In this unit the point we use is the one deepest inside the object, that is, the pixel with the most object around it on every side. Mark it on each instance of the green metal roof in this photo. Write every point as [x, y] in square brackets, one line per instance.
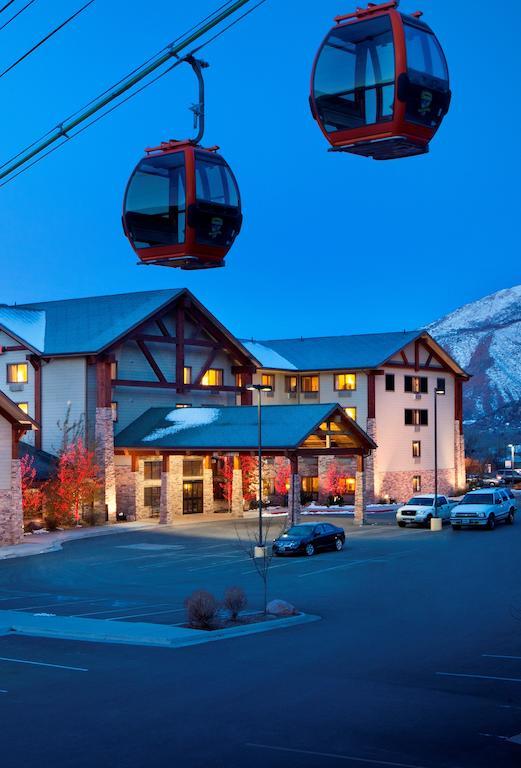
[233, 427]
[328, 353]
[81, 326]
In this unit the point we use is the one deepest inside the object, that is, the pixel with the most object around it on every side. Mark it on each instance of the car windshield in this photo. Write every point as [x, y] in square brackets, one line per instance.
[478, 498]
[299, 530]
[420, 501]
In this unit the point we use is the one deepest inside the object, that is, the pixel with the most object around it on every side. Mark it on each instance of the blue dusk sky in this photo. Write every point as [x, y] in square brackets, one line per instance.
[331, 243]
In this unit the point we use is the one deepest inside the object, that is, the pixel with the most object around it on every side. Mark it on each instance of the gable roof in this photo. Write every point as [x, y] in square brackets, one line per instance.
[90, 325]
[329, 353]
[10, 411]
[232, 427]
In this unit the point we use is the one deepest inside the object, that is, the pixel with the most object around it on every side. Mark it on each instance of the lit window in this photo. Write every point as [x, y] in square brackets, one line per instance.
[416, 384]
[114, 371]
[23, 407]
[212, 378]
[310, 484]
[416, 483]
[350, 484]
[192, 467]
[17, 373]
[114, 407]
[351, 412]
[416, 449]
[152, 499]
[345, 381]
[268, 380]
[416, 418]
[240, 380]
[310, 384]
[187, 374]
[183, 405]
[291, 383]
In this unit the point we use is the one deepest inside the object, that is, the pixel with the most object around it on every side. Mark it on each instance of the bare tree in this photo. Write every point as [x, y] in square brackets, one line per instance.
[71, 430]
[248, 538]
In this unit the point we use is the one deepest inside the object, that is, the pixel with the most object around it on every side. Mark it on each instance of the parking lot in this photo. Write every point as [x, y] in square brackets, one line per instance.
[416, 660]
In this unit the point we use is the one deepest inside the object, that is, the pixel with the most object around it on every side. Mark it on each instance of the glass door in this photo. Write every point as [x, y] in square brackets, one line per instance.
[192, 497]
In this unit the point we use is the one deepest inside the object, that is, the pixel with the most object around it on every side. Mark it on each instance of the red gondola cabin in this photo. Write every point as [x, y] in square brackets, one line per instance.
[380, 83]
[182, 207]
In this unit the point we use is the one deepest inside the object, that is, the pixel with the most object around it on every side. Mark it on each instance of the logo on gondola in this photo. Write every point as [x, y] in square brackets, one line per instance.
[216, 226]
[425, 102]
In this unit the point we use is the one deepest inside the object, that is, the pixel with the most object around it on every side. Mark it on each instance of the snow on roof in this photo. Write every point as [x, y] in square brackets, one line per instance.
[26, 324]
[184, 418]
[268, 357]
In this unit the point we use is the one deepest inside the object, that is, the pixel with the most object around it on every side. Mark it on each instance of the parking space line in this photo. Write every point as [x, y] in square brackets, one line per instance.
[480, 677]
[120, 608]
[498, 656]
[57, 604]
[3, 691]
[351, 758]
[338, 567]
[43, 664]
[151, 613]
[219, 565]
[154, 556]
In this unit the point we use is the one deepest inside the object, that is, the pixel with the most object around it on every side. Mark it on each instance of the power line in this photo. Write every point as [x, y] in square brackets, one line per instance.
[44, 146]
[25, 7]
[44, 39]
[6, 6]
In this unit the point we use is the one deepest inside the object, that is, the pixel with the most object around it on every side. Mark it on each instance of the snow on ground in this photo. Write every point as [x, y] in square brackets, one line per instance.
[184, 418]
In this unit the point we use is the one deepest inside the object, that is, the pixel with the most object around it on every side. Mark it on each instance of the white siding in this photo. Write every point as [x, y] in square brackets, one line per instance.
[63, 383]
[394, 439]
[6, 447]
[19, 393]
[327, 394]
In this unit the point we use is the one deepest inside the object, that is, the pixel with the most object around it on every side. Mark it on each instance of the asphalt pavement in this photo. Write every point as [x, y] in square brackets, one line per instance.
[416, 660]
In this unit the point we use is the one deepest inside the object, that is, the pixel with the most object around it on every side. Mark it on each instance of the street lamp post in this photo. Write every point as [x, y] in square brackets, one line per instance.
[260, 388]
[513, 450]
[437, 391]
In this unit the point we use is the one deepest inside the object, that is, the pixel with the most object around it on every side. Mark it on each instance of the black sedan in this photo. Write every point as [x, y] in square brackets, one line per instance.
[308, 538]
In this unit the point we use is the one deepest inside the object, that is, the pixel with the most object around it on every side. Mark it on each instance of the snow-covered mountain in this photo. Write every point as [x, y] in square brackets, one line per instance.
[485, 338]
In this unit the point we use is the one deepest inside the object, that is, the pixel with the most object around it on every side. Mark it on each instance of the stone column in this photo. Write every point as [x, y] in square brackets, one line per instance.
[171, 505]
[370, 466]
[104, 452]
[139, 485]
[208, 505]
[126, 489]
[459, 457]
[323, 466]
[294, 493]
[237, 491]
[11, 512]
[360, 493]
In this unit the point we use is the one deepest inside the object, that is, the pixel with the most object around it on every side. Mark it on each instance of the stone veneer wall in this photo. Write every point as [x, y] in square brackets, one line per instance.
[370, 464]
[294, 499]
[459, 457]
[237, 494]
[104, 452]
[172, 491]
[398, 485]
[361, 498]
[11, 514]
[208, 505]
[126, 491]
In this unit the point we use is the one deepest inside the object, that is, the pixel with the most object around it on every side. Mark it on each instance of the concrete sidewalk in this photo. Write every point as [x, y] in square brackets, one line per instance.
[39, 543]
[130, 633]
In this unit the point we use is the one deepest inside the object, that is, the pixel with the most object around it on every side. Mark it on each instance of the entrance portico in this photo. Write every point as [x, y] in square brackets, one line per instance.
[172, 463]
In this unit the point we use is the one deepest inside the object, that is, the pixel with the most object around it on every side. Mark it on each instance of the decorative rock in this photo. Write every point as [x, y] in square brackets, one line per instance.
[281, 608]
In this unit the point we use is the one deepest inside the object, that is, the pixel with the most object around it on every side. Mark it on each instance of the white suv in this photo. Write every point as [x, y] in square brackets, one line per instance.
[483, 508]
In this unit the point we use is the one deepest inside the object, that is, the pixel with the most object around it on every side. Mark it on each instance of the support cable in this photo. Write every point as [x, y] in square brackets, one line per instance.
[44, 39]
[40, 148]
[6, 6]
[24, 8]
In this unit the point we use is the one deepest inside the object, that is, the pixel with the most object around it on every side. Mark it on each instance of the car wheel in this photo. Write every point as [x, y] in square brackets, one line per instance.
[510, 517]
[456, 527]
[401, 524]
[427, 521]
[339, 545]
[491, 522]
[310, 550]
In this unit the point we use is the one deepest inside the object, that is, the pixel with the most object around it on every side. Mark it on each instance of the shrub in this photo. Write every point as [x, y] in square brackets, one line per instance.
[201, 609]
[235, 601]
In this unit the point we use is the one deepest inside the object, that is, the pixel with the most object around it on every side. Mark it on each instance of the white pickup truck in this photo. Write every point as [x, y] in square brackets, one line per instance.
[420, 510]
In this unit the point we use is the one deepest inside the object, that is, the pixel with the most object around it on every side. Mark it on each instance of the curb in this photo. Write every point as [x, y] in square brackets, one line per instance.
[120, 633]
